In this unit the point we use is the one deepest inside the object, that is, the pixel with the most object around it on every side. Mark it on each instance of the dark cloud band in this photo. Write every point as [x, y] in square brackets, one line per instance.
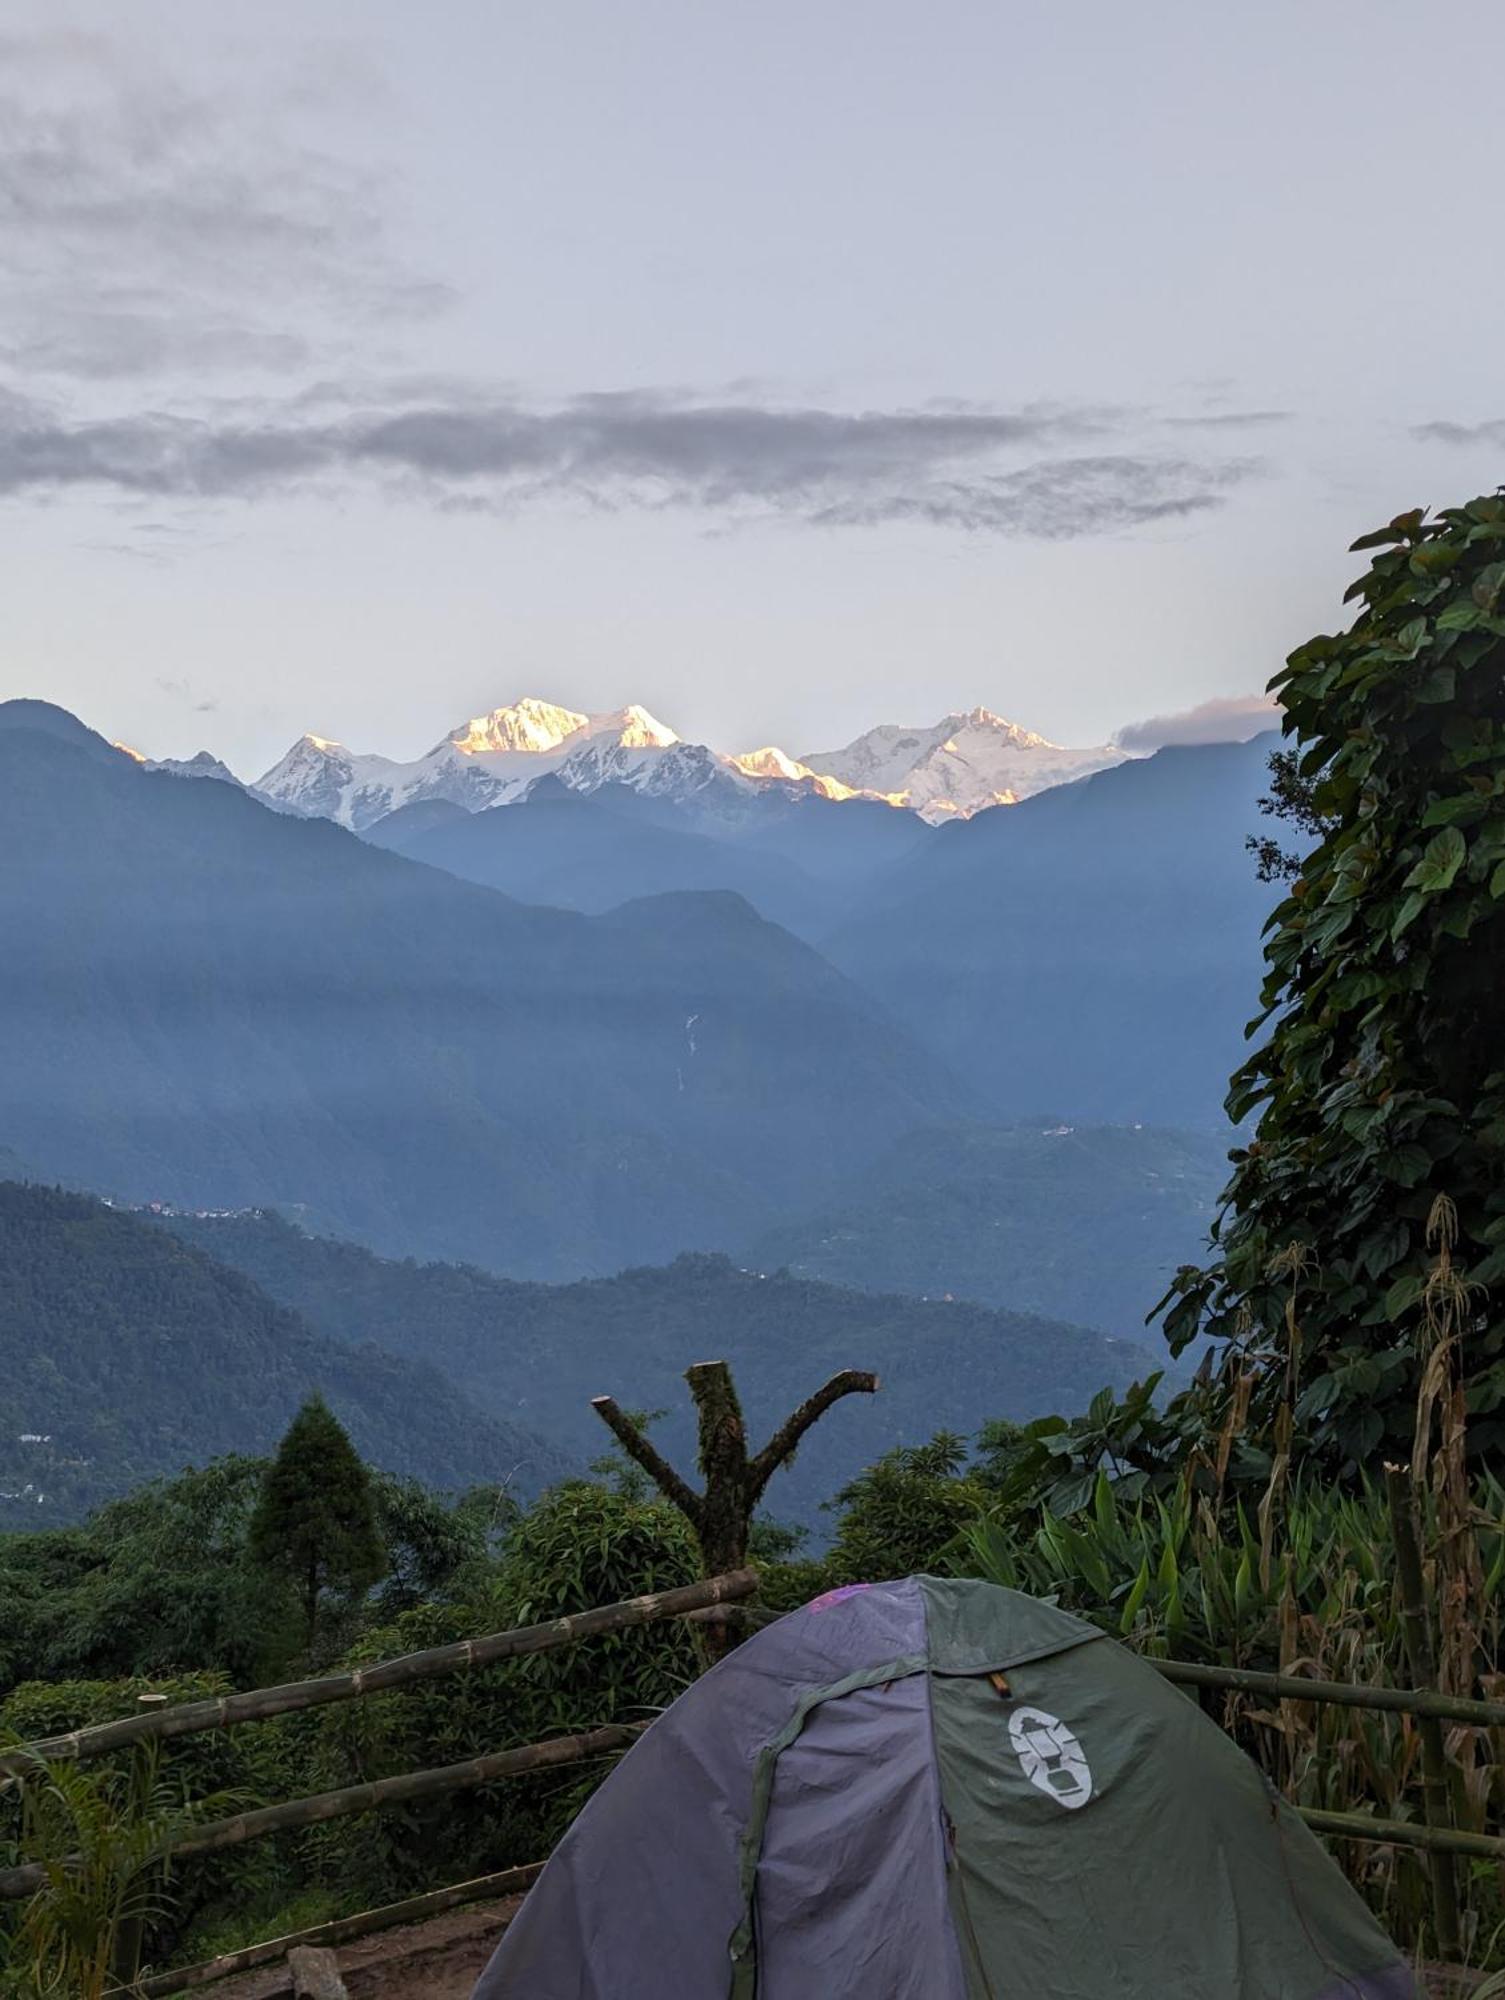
[950, 468]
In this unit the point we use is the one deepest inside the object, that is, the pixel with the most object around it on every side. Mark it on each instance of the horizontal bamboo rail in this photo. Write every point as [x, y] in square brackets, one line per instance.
[339, 1930]
[1291, 1687]
[260, 1704]
[255, 1824]
[1404, 1833]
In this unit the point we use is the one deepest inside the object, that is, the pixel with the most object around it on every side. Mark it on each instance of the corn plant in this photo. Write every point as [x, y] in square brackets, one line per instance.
[1310, 1591]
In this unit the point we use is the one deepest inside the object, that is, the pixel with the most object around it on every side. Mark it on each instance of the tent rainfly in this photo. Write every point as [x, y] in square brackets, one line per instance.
[939, 1790]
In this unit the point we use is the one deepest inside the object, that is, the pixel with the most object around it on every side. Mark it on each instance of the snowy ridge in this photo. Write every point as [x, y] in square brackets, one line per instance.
[961, 765]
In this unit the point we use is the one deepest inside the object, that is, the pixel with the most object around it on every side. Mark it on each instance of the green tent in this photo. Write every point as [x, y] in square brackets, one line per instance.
[939, 1790]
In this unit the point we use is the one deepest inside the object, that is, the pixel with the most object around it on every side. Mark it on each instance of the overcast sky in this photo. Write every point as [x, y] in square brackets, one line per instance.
[784, 367]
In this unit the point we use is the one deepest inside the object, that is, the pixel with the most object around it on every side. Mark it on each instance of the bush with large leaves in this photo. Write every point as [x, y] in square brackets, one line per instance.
[1381, 1086]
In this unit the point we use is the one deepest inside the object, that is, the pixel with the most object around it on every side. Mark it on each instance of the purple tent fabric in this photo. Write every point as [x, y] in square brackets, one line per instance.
[650, 1870]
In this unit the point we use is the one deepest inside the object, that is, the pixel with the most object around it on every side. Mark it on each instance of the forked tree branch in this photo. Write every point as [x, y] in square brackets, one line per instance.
[780, 1447]
[637, 1447]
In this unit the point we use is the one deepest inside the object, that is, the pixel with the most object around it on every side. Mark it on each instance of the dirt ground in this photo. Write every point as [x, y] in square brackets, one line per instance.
[442, 1959]
[437, 1960]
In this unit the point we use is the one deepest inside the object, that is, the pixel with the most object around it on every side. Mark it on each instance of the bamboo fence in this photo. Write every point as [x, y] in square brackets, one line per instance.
[257, 1823]
[719, 1598]
[192, 1718]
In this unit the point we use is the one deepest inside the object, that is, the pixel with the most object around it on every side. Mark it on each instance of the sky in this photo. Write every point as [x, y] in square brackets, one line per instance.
[783, 368]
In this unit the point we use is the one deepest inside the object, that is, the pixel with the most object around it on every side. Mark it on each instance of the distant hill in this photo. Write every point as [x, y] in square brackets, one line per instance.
[536, 1354]
[207, 1002]
[1083, 1223]
[126, 1353]
[798, 860]
[594, 850]
[1094, 951]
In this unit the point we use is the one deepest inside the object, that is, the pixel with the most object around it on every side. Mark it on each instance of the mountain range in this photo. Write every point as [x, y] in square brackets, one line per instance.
[952, 769]
[131, 1347]
[904, 1073]
[665, 1033]
[211, 1003]
[531, 1356]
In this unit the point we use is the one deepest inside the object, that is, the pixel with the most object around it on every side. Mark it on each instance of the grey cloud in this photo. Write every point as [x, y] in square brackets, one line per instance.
[950, 468]
[1491, 432]
[1229, 420]
[1225, 719]
[1057, 499]
[146, 226]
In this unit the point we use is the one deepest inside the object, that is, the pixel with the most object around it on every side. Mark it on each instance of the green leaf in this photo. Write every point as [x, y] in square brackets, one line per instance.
[1135, 1598]
[1444, 855]
[1403, 528]
[1459, 617]
[1488, 585]
[1406, 1164]
[1409, 911]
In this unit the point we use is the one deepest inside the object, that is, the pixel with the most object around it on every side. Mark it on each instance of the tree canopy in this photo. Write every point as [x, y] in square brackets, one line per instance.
[1369, 1205]
[316, 1522]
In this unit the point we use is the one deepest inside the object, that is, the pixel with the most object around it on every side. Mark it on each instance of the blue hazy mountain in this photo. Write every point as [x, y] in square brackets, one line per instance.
[1093, 952]
[591, 851]
[206, 1002]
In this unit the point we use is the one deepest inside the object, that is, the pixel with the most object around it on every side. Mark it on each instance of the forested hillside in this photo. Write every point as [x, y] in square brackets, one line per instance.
[1085, 1223]
[536, 1354]
[126, 1354]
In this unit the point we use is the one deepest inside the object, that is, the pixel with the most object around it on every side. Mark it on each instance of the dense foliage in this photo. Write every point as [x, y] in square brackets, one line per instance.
[163, 1580]
[126, 1354]
[478, 1566]
[1380, 1090]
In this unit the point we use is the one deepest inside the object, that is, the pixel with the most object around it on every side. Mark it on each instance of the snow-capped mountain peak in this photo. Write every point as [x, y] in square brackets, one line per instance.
[528, 725]
[486, 761]
[777, 765]
[535, 728]
[204, 764]
[769, 762]
[959, 765]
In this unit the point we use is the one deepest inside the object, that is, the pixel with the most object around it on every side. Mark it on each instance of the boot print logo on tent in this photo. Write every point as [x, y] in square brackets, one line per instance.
[1050, 1757]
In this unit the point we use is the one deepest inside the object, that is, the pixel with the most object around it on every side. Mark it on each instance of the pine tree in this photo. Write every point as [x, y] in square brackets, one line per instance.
[315, 1522]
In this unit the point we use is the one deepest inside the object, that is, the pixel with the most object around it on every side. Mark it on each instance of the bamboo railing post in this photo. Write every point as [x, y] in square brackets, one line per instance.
[1342, 1694]
[1436, 1792]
